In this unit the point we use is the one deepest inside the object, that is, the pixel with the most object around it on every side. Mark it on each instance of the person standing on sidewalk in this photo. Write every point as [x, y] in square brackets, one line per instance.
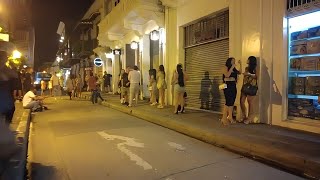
[250, 79]
[161, 85]
[125, 85]
[134, 79]
[179, 79]
[107, 82]
[55, 84]
[153, 87]
[230, 77]
[79, 85]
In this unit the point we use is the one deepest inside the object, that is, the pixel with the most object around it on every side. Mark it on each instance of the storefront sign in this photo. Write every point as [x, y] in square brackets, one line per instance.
[98, 62]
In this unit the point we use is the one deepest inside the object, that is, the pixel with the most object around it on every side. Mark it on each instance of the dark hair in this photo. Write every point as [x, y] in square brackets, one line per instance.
[161, 68]
[252, 65]
[135, 67]
[180, 75]
[229, 62]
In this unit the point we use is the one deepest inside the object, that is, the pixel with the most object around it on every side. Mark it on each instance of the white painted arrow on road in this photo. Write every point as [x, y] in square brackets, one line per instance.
[128, 142]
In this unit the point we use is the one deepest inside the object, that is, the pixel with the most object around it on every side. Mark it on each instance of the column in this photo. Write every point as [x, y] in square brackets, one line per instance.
[115, 72]
[145, 65]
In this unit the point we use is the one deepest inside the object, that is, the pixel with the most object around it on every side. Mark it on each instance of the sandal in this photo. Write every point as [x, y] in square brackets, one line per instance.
[247, 121]
[232, 121]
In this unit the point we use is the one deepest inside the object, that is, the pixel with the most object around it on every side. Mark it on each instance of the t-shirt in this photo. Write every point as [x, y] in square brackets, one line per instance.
[134, 77]
[92, 83]
[125, 80]
[107, 78]
[27, 98]
[55, 80]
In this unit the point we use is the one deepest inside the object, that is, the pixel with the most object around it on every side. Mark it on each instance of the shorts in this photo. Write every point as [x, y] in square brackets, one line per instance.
[124, 91]
[179, 89]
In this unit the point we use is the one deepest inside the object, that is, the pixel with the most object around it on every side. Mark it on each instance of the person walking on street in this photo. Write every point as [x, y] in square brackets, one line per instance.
[70, 86]
[134, 79]
[92, 85]
[249, 89]
[161, 85]
[179, 79]
[230, 77]
[125, 85]
[97, 94]
[55, 84]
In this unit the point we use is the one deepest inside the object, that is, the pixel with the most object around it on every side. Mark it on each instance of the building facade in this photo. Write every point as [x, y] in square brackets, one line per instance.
[202, 34]
[15, 21]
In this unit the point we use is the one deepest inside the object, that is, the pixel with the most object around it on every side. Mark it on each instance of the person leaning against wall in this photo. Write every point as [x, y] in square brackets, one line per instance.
[249, 89]
[230, 76]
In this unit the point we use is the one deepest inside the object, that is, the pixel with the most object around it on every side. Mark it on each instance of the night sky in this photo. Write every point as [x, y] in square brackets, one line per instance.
[46, 17]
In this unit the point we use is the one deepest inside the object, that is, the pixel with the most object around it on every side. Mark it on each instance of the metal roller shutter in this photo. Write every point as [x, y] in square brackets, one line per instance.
[210, 57]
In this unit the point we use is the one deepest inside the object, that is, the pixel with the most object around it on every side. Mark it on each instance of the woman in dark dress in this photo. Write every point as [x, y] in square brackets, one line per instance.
[230, 77]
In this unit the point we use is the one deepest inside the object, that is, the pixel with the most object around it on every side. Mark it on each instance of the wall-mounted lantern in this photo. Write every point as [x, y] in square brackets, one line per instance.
[154, 35]
[117, 51]
[134, 45]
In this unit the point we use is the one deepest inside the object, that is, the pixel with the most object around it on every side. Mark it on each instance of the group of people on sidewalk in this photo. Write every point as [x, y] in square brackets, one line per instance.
[248, 91]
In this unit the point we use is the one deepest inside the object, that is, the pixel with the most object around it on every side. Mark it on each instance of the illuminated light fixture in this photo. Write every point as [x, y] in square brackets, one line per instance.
[134, 45]
[58, 59]
[62, 37]
[109, 55]
[117, 52]
[16, 54]
[25, 66]
[65, 53]
[61, 40]
[154, 35]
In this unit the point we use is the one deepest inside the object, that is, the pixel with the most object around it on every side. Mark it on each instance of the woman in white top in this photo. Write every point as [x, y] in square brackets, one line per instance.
[179, 80]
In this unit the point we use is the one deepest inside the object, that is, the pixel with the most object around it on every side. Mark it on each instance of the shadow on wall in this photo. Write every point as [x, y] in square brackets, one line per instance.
[269, 89]
[204, 97]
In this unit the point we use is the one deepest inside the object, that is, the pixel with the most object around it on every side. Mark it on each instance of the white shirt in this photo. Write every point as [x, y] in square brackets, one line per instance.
[55, 80]
[27, 98]
[134, 77]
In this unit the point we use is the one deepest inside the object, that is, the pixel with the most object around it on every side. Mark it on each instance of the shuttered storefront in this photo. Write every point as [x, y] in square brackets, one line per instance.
[206, 51]
[200, 59]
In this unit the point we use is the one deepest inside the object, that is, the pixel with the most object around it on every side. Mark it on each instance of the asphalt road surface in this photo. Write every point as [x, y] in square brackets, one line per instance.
[77, 140]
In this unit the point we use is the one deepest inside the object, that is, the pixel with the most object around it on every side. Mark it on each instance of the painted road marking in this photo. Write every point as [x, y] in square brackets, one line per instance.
[176, 146]
[128, 142]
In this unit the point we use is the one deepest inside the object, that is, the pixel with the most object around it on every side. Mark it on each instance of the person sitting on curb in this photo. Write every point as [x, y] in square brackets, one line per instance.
[33, 102]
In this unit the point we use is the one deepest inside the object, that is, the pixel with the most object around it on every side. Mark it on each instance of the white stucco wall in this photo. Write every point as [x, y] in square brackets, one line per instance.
[258, 28]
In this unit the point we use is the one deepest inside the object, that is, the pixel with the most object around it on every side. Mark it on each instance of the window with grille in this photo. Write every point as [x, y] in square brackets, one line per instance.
[209, 29]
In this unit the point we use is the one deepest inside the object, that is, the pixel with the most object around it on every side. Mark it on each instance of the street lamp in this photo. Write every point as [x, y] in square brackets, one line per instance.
[134, 45]
[154, 35]
[16, 54]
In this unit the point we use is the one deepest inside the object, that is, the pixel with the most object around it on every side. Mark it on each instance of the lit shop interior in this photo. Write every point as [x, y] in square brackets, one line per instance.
[304, 67]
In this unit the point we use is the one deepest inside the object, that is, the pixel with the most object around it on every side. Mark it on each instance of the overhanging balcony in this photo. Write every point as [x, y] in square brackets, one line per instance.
[130, 17]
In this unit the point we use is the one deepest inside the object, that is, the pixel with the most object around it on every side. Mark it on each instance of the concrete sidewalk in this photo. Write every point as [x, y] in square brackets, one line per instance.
[295, 151]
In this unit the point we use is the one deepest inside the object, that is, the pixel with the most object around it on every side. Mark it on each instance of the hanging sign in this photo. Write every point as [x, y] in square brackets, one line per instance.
[98, 62]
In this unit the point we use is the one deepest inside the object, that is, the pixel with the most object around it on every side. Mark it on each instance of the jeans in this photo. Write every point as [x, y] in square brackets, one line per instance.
[95, 95]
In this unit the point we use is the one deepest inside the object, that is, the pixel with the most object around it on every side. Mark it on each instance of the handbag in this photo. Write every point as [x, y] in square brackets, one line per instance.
[223, 86]
[249, 89]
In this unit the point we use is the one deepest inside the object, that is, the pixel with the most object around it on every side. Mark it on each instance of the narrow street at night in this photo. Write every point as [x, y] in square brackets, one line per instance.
[77, 140]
